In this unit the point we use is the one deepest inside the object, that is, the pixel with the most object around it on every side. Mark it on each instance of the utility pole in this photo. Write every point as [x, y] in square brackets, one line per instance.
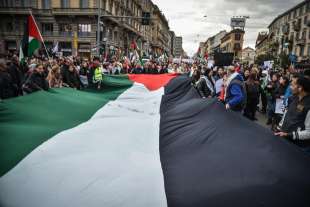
[98, 28]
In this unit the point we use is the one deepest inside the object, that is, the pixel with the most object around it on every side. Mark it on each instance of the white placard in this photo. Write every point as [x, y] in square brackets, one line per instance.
[279, 106]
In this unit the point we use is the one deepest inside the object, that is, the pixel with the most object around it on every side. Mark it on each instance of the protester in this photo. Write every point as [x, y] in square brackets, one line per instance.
[209, 83]
[204, 84]
[97, 77]
[219, 84]
[235, 93]
[252, 88]
[281, 93]
[296, 122]
[16, 75]
[246, 74]
[54, 77]
[36, 81]
[263, 92]
[71, 78]
[138, 69]
[7, 89]
[271, 89]
[84, 73]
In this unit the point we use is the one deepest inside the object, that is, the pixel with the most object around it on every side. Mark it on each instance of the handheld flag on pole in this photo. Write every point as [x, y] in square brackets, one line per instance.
[56, 48]
[34, 37]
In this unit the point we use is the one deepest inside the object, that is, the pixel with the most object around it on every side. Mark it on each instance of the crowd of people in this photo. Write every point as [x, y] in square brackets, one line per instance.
[17, 79]
[283, 95]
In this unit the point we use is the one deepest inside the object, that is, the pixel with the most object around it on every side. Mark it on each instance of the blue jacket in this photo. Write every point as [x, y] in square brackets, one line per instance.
[287, 95]
[235, 92]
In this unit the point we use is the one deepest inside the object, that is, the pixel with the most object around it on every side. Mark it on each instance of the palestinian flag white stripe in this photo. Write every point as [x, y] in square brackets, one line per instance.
[111, 160]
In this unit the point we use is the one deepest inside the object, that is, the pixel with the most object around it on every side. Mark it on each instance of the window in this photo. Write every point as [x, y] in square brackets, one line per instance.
[9, 27]
[46, 4]
[83, 3]
[7, 3]
[237, 46]
[237, 36]
[65, 29]
[47, 28]
[304, 34]
[11, 45]
[297, 35]
[111, 6]
[115, 36]
[25, 3]
[305, 19]
[308, 49]
[302, 50]
[84, 30]
[65, 3]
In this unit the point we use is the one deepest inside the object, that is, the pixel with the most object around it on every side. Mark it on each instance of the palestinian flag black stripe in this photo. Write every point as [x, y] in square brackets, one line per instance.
[214, 158]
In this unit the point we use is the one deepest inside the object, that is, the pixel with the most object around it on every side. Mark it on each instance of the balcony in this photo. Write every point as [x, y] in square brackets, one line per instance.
[75, 11]
[65, 34]
[47, 33]
[15, 10]
[24, 11]
[84, 34]
[301, 41]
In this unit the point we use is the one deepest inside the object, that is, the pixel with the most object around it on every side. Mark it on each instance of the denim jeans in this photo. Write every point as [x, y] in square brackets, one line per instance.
[271, 106]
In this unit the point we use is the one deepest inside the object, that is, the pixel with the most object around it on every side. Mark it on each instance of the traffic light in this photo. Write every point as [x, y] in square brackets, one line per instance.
[146, 18]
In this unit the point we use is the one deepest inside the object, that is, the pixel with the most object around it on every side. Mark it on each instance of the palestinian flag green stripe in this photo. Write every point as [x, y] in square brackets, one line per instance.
[34, 44]
[27, 122]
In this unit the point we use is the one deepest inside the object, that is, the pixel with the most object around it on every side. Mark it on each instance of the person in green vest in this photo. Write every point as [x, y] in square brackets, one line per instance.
[97, 77]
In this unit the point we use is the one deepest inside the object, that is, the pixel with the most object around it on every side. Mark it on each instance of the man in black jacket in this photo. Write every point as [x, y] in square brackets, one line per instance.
[71, 78]
[16, 76]
[36, 81]
[295, 125]
[7, 89]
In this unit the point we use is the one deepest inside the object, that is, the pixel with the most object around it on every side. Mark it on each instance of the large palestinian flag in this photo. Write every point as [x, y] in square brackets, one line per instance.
[137, 144]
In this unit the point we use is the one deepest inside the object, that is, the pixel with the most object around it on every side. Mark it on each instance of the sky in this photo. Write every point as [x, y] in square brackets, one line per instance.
[186, 18]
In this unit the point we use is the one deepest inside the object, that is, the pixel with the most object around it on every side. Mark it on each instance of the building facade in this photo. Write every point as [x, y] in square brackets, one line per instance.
[248, 55]
[73, 24]
[212, 44]
[178, 47]
[172, 42]
[290, 32]
[232, 42]
[262, 46]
